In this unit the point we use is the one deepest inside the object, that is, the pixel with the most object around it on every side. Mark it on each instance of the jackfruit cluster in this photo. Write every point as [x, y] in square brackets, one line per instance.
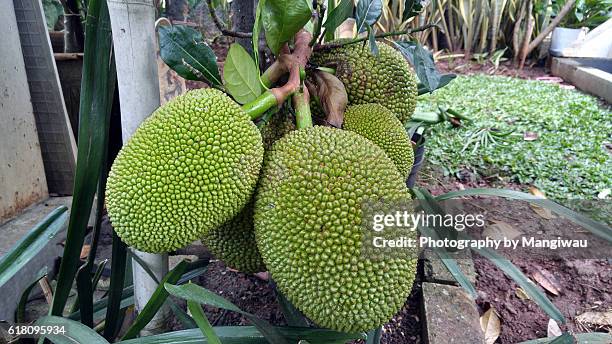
[385, 79]
[378, 124]
[189, 168]
[308, 227]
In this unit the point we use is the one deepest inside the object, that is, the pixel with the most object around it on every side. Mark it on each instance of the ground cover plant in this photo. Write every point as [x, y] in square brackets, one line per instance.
[554, 138]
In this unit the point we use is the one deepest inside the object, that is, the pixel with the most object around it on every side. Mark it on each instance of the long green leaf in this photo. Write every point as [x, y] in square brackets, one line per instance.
[535, 293]
[118, 264]
[292, 315]
[241, 75]
[374, 336]
[98, 81]
[367, 13]
[581, 338]
[184, 50]
[338, 15]
[156, 301]
[23, 300]
[282, 19]
[248, 335]
[99, 307]
[30, 245]
[203, 323]
[599, 229]
[73, 332]
[85, 294]
[183, 317]
[192, 292]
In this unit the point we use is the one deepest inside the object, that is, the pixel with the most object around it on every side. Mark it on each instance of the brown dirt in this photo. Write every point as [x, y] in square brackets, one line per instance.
[468, 67]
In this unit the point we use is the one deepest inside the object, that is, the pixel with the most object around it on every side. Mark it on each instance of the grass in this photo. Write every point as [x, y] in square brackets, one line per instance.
[567, 160]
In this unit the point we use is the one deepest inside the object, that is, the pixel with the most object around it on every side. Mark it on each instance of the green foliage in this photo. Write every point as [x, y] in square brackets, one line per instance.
[241, 75]
[184, 50]
[568, 159]
[338, 15]
[282, 19]
[53, 10]
[367, 14]
[585, 13]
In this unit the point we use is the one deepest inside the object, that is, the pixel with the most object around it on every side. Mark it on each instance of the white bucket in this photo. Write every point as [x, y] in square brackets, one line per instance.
[563, 38]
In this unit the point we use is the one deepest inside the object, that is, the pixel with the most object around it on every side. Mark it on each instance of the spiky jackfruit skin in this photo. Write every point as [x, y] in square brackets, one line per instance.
[308, 227]
[378, 124]
[277, 126]
[234, 243]
[190, 167]
[385, 79]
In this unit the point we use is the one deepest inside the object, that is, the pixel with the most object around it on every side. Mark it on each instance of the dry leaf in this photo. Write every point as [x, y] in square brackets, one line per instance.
[85, 251]
[491, 326]
[603, 319]
[536, 192]
[501, 230]
[530, 136]
[347, 29]
[553, 329]
[332, 95]
[521, 294]
[547, 281]
[543, 212]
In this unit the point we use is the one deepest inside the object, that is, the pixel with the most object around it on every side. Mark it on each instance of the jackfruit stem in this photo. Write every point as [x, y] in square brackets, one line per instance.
[334, 45]
[259, 106]
[301, 104]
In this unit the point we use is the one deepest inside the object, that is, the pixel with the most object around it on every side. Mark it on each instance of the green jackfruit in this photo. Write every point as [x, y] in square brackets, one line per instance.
[190, 167]
[276, 127]
[385, 79]
[234, 243]
[308, 227]
[377, 124]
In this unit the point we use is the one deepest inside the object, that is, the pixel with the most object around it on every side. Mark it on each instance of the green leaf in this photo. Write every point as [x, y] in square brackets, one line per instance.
[374, 336]
[581, 338]
[23, 300]
[282, 19]
[203, 323]
[534, 293]
[292, 315]
[53, 10]
[192, 292]
[423, 63]
[445, 79]
[257, 25]
[30, 245]
[411, 9]
[182, 316]
[372, 41]
[241, 75]
[338, 15]
[74, 332]
[248, 335]
[85, 294]
[156, 301]
[115, 293]
[99, 307]
[599, 229]
[97, 90]
[184, 50]
[367, 13]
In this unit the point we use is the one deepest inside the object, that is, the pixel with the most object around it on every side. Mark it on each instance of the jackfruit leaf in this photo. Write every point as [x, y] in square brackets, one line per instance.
[194, 293]
[332, 96]
[490, 325]
[203, 323]
[445, 79]
[249, 335]
[282, 19]
[73, 332]
[338, 15]
[184, 50]
[411, 9]
[367, 13]
[241, 75]
[31, 244]
[159, 297]
[423, 63]
[257, 24]
[372, 41]
[23, 300]
[580, 338]
[599, 229]
[553, 329]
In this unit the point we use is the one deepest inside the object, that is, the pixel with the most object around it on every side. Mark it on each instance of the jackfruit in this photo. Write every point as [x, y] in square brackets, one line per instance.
[308, 227]
[276, 127]
[377, 124]
[234, 243]
[385, 79]
[190, 167]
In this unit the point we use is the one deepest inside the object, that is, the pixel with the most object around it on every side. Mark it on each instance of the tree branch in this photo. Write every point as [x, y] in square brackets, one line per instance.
[553, 24]
[381, 35]
[222, 27]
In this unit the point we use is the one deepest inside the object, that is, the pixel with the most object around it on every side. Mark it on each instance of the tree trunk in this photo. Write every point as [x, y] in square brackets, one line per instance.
[517, 31]
[528, 31]
[243, 14]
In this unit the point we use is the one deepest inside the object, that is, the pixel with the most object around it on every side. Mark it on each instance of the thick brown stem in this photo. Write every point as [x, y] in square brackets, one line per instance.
[517, 30]
[553, 24]
[528, 31]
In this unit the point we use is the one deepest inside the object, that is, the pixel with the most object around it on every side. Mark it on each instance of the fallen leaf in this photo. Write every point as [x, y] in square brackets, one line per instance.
[85, 251]
[543, 212]
[547, 281]
[603, 319]
[501, 230]
[521, 294]
[530, 136]
[536, 192]
[553, 329]
[491, 326]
